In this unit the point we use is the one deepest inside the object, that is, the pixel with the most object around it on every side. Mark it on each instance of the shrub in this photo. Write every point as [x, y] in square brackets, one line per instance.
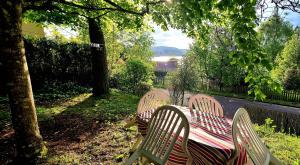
[184, 79]
[292, 79]
[53, 61]
[135, 76]
[142, 88]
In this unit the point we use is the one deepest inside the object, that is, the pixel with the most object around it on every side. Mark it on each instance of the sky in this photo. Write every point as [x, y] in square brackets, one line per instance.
[171, 38]
[294, 18]
[175, 38]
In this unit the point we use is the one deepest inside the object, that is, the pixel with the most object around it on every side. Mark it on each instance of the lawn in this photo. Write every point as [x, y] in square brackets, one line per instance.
[81, 130]
[86, 130]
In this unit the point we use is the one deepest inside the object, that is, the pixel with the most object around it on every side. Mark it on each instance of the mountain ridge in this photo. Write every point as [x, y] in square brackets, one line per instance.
[168, 51]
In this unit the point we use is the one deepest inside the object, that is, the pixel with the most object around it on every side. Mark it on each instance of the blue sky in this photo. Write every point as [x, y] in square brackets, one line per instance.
[294, 18]
[175, 38]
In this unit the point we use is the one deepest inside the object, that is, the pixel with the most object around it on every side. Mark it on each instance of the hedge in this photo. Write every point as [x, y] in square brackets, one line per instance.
[50, 61]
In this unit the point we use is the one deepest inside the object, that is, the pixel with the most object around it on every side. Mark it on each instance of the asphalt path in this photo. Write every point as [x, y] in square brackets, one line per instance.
[231, 105]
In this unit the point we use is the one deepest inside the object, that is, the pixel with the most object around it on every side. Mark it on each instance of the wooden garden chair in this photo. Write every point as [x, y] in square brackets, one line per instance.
[165, 126]
[244, 136]
[205, 103]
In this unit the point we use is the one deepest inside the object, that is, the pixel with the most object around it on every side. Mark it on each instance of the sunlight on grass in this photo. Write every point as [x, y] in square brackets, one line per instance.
[107, 141]
[65, 158]
[114, 107]
[284, 147]
[109, 146]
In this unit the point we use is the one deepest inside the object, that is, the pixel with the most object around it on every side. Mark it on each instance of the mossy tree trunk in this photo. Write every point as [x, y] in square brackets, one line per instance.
[99, 59]
[17, 79]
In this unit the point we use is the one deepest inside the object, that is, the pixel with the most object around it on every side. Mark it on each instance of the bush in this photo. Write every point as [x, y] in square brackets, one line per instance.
[292, 79]
[50, 61]
[135, 76]
[142, 88]
[186, 78]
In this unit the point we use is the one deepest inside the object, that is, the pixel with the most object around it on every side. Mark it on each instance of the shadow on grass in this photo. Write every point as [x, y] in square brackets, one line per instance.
[88, 117]
[80, 119]
[73, 124]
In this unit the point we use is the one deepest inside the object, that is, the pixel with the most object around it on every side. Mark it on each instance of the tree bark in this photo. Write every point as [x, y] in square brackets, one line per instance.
[16, 75]
[99, 59]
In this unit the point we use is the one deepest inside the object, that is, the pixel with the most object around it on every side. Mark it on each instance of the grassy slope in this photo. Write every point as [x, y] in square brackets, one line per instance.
[88, 130]
[284, 147]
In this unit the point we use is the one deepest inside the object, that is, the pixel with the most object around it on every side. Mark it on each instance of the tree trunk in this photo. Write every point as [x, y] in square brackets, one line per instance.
[182, 98]
[16, 75]
[99, 59]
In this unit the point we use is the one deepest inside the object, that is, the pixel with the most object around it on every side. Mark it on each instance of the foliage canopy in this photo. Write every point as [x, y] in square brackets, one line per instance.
[289, 57]
[197, 18]
[273, 34]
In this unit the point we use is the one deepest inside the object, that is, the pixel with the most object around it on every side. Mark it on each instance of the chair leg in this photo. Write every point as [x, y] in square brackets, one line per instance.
[189, 161]
[144, 160]
[133, 157]
[274, 161]
[136, 144]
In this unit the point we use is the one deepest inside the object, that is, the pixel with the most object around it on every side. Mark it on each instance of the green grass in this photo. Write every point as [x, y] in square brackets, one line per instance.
[284, 147]
[84, 129]
[111, 108]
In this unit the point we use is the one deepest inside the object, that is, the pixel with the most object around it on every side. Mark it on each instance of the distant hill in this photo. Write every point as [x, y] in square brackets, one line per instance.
[168, 51]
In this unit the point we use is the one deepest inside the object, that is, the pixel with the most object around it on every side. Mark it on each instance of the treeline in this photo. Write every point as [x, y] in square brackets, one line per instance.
[212, 64]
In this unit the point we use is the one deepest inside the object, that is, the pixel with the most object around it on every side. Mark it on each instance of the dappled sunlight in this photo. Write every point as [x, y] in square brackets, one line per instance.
[83, 128]
[110, 144]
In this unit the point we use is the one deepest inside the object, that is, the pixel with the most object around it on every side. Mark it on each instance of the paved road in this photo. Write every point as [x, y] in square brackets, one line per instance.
[230, 105]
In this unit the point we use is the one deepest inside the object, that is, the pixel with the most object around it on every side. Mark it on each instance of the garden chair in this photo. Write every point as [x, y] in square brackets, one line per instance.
[245, 137]
[152, 100]
[165, 126]
[205, 103]
[149, 102]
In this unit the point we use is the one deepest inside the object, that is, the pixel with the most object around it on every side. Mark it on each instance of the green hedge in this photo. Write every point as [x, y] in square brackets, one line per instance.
[50, 61]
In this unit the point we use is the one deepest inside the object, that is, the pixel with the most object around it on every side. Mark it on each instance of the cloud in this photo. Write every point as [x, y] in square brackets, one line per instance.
[171, 38]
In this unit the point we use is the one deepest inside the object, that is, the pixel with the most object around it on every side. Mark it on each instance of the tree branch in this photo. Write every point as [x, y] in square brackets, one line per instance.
[48, 5]
[119, 8]
[293, 5]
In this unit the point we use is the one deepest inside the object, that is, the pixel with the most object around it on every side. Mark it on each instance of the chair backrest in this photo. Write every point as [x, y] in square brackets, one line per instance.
[152, 100]
[245, 136]
[205, 103]
[164, 128]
